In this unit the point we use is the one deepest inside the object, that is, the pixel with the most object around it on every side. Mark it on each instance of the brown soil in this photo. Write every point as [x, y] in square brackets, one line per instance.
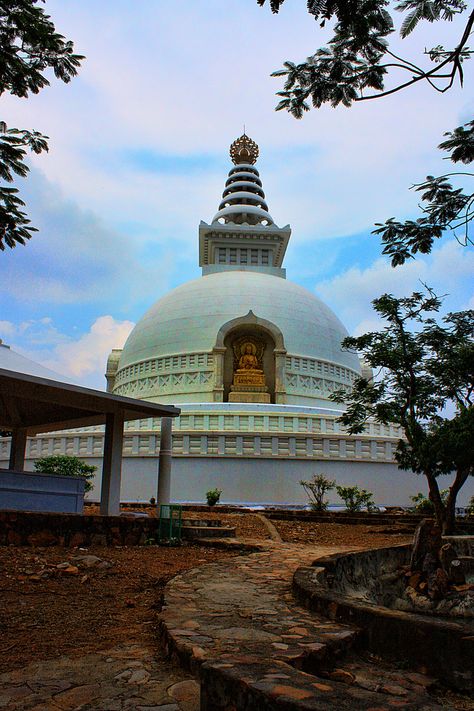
[340, 534]
[93, 609]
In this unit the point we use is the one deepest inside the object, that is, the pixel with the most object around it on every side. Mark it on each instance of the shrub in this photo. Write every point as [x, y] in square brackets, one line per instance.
[316, 488]
[422, 505]
[355, 499]
[63, 465]
[213, 496]
[470, 507]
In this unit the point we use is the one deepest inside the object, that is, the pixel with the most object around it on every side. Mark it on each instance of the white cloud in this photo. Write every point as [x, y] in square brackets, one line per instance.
[83, 358]
[158, 84]
[447, 270]
[86, 357]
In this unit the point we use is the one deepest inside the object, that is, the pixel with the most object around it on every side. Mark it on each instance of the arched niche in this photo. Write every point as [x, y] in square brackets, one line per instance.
[273, 358]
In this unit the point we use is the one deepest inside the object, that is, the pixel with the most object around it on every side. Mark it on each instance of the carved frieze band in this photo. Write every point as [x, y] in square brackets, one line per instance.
[170, 383]
[166, 374]
[309, 375]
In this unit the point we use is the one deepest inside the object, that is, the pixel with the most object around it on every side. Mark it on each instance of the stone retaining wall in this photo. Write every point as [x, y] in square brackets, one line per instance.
[48, 529]
[339, 587]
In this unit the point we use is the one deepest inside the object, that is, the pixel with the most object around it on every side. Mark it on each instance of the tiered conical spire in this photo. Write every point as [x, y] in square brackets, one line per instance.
[243, 200]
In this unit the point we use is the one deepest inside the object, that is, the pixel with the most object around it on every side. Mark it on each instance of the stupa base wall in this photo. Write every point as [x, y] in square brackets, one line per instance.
[263, 480]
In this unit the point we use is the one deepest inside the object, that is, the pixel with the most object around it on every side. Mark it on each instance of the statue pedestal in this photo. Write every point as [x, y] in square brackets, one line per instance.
[249, 393]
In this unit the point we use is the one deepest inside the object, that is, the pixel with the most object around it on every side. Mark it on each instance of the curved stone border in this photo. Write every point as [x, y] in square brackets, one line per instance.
[236, 625]
[329, 587]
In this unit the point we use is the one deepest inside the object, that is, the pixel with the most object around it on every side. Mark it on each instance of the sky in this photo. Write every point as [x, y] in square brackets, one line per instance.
[139, 155]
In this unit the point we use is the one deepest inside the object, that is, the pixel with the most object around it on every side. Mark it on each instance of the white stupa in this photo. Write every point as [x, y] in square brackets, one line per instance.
[251, 359]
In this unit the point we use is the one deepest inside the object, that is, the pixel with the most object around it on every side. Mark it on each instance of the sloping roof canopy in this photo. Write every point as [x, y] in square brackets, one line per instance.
[12, 360]
[43, 405]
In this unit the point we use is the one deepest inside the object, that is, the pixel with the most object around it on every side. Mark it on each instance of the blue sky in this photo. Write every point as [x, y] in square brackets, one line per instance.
[139, 155]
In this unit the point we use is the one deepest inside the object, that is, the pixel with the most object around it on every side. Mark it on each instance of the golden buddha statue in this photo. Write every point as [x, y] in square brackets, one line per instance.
[248, 372]
[248, 361]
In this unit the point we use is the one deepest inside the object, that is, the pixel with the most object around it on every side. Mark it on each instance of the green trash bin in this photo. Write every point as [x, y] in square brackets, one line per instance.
[169, 529]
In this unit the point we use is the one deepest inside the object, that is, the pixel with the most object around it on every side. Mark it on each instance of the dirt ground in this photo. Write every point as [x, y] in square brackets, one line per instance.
[46, 612]
[340, 534]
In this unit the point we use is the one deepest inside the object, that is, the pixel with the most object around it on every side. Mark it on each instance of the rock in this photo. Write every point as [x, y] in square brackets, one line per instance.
[139, 676]
[451, 564]
[91, 561]
[67, 568]
[42, 538]
[342, 675]
[77, 697]
[430, 564]
[186, 693]
[438, 584]
[427, 540]
[123, 676]
[414, 580]
[420, 602]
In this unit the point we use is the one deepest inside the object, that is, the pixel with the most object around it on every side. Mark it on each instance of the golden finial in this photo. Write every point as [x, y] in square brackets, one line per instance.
[244, 150]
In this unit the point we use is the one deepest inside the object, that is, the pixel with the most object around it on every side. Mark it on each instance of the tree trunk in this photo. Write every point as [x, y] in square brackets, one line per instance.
[435, 498]
[450, 516]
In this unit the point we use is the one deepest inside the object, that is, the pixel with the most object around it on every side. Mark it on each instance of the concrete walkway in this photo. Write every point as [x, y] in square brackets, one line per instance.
[236, 624]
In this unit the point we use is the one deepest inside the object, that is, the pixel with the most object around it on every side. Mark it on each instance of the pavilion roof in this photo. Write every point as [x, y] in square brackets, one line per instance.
[41, 404]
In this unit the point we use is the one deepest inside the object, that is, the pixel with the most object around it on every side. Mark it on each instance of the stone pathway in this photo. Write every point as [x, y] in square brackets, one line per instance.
[129, 678]
[236, 624]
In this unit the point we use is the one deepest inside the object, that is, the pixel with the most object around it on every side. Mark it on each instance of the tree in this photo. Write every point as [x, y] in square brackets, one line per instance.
[355, 66]
[423, 368]
[316, 490]
[64, 465]
[357, 60]
[29, 45]
[446, 208]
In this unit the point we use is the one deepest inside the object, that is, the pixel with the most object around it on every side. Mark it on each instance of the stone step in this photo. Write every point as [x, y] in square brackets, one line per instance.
[210, 522]
[194, 532]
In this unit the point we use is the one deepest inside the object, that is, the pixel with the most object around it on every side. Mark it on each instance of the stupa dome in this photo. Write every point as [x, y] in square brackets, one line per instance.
[183, 327]
[189, 318]
[241, 332]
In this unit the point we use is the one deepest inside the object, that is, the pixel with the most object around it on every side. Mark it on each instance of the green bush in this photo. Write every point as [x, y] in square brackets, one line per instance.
[213, 496]
[422, 505]
[356, 499]
[470, 507]
[63, 465]
[316, 488]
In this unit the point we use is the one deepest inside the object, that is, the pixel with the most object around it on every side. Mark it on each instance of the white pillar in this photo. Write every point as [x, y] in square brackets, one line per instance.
[112, 466]
[218, 357]
[17, 449]
[280, 375]
[164, 462]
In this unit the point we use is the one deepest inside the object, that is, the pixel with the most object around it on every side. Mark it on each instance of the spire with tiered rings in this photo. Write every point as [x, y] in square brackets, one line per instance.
[243, 200]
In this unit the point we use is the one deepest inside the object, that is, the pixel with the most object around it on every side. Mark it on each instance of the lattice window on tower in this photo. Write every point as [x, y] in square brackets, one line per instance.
[244, 255]
[254, 256]
[221, 255]
[233, 255]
